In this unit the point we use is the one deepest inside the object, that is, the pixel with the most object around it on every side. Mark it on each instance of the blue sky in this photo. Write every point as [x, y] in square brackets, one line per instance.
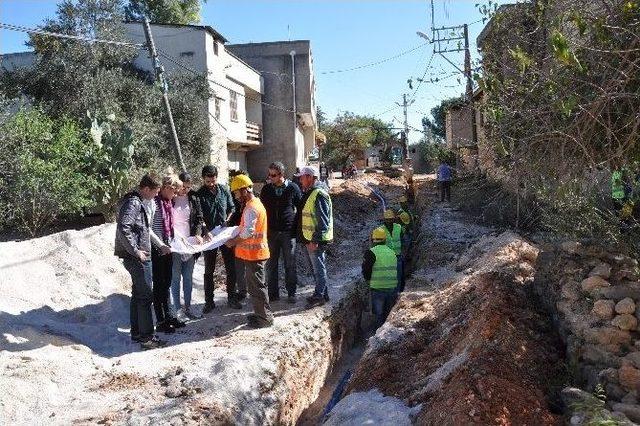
[343, 34]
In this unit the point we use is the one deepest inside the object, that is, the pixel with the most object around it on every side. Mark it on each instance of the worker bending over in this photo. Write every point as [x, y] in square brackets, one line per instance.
[379, 268]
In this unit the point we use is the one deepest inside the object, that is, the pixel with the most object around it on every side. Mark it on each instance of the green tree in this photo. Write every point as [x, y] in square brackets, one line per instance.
[165, 11]
[348, 135]
[45, 171]
[439, 114]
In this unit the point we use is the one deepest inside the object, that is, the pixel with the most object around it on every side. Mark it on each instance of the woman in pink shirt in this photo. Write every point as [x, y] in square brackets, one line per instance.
[187, 222]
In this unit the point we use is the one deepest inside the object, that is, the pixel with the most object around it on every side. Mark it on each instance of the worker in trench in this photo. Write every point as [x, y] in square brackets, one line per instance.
[252, 249]
[393, 232]
[379, 268]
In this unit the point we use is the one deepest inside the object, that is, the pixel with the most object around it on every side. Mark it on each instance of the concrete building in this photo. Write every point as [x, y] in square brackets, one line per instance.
[251, 114]
[288, 137]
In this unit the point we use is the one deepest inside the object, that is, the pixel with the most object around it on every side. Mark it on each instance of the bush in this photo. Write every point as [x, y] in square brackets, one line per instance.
[44, 171]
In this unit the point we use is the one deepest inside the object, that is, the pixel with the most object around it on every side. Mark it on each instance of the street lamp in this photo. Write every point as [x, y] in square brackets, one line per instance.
[423, 35]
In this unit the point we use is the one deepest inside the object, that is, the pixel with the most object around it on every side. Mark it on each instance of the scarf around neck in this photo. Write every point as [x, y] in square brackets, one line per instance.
[167, 217]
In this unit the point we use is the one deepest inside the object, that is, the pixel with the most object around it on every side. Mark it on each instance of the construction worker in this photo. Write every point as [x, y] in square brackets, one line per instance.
[617, 189]
[379, 268]
[393, 231]
[315, 230]
[252, 249]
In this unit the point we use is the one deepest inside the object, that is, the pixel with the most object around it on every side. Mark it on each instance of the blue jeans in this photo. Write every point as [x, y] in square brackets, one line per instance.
[381, 303]
[182, 269]
[281, 242]
[141, 297]
[317, 261]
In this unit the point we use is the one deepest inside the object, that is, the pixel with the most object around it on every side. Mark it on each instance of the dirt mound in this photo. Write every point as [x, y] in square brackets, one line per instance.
[470, 348]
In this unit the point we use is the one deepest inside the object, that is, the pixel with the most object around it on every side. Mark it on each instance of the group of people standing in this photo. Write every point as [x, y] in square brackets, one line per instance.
[383, 266]
[269, 226]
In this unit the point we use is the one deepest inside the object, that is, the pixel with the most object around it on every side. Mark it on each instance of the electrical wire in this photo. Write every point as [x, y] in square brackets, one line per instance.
[372, 64]
[69, 36]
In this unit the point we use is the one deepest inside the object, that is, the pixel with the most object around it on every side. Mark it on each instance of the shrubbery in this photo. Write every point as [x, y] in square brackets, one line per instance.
[44, 171]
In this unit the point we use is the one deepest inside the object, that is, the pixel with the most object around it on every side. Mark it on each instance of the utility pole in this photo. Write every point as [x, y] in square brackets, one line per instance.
[159, 70]
[442, 39]
[405, 143]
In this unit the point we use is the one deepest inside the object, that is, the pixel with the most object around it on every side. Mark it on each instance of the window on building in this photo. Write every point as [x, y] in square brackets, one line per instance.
[215, 47]
[186, 54]
[233, 105]
[217, 108]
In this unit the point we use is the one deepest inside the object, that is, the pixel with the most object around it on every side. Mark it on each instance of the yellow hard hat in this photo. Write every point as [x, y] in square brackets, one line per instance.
[379, 235]
[389, 214]
[240, 181]
[405, 218]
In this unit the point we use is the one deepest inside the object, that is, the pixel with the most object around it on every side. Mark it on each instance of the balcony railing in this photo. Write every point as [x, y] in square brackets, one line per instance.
[254, 132]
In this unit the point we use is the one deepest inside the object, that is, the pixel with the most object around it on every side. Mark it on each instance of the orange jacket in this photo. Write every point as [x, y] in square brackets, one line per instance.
[254, 248]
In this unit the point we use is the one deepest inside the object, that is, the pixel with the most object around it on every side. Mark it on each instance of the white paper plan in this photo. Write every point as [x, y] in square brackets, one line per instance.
[188, 245]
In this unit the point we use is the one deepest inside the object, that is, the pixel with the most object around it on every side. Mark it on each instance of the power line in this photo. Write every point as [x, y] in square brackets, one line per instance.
[413, 95]
[372, 64]
[69, 36]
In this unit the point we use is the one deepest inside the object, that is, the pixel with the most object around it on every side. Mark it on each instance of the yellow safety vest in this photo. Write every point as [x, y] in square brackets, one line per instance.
[394, 241]
[310, 219]
[385, 271]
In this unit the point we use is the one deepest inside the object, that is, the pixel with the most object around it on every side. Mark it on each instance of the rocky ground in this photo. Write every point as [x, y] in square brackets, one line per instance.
[66, 357]
[465, 344]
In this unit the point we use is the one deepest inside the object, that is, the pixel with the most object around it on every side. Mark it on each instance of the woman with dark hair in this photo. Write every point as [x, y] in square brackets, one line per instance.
[187, 222]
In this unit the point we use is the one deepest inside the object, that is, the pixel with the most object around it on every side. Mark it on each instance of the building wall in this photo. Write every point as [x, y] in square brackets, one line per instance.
[200, 51]
[459, 128]
[13, 61]
[274, 62]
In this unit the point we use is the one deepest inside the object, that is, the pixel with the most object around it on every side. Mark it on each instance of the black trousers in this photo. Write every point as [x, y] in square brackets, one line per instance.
[228, 257]
[141, 298]
[445, 190]
[161, 267]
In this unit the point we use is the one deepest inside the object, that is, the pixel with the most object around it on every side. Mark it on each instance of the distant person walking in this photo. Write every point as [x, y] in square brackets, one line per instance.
[252, 249]
[444, 176]
[188, 222]
[379, 270]
[281, 198]
[133, 246]
[162, 232]
[217, 208]
[315, 230]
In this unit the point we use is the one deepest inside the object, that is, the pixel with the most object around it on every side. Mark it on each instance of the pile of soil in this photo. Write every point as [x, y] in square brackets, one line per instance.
[467, 343]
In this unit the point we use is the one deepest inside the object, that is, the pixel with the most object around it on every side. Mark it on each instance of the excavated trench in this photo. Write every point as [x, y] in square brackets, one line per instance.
[467, 343]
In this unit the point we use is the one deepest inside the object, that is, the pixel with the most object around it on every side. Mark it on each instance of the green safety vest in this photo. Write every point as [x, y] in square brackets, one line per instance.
[394, 241]
[385, 271]
[617, 186]
[310, 220]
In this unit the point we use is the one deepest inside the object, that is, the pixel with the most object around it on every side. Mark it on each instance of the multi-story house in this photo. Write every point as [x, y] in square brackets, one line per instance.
[252, 114]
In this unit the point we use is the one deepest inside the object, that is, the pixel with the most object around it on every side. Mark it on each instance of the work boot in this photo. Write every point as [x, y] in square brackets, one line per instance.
[165, 327]
[176, 323]
[152, 343]
[191, 315]
[253, 321]
[233, 303]
[314, 301]
[208, 307]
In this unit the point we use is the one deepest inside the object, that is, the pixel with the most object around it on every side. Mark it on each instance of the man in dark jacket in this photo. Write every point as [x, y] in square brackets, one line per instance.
[217, 208]
[133, 246]
[281, 199]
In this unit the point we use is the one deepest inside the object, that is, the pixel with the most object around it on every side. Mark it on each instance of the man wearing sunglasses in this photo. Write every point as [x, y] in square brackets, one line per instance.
[281, 198]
